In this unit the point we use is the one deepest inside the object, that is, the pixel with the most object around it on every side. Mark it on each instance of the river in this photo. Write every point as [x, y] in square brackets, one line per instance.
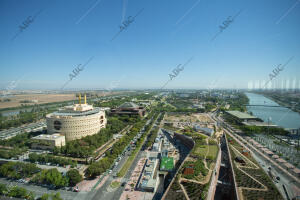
[280, 116]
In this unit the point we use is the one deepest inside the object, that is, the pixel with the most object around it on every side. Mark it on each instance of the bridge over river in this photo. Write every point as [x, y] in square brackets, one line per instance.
[262, 105]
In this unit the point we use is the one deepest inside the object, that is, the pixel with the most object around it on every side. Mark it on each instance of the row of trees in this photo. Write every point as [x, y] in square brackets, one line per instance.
[16, 145]
[20, 140]
[260, 129]
[10, 153]
[19, 192]
[153, 133]
[55, 178]
[18, 170]
[46, 158]
[112, 103]
[101, 166]
[86, 146]
[151, 137]
[15, 191]
[22, 118]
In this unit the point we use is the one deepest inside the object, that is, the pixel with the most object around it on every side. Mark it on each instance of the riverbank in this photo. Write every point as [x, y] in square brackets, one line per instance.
[280, 116]
[282, 103]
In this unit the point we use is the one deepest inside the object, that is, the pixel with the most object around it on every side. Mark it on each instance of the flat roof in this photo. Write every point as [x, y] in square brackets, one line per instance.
[281, 160]
[241, 115]
[48, 137]
[296, 171]
[167, 163]
[288, 165]
[256, 123]
[76, 113]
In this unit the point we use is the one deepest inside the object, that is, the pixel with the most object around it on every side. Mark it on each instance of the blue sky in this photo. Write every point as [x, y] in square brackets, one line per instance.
[165, 34]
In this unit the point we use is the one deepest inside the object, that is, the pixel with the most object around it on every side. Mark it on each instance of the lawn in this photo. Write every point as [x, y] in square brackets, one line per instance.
[115, 184]
[167, 163]
[213, 150]
[202, 150]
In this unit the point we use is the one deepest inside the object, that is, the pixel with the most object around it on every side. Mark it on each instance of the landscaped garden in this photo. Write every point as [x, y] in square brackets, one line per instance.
[175, 192]
[250, 177]
[195, 191]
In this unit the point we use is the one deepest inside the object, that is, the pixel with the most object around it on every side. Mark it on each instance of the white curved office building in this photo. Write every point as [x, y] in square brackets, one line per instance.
[76, 121]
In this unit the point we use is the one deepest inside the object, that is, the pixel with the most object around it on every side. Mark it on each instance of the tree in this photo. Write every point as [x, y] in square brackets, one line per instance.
[44, 197]
[56, 196]
[74, 177]
[51, 176]
[33, 157]
[17, 192]
[3, 189]
[30, 196]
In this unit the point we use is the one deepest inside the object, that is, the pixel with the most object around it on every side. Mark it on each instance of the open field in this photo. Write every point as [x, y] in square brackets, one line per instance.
[41, 98]
[202, 150]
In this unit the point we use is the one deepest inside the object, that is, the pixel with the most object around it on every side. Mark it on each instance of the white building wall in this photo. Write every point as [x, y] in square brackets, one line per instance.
[77, 127]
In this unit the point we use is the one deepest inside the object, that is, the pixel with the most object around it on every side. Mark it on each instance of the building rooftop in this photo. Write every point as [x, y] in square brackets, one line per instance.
[48, 137]
[280, 160]
[68, 112]
[289, 166]
[241, 115]
[210, 131]
[129, 105]
[167, 163]
[296, 171]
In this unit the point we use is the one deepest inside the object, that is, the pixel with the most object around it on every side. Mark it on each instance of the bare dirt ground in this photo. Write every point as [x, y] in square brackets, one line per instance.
[198, 117]
[41, 98]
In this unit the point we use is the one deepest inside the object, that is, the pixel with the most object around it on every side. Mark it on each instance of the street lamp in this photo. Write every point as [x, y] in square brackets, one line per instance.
[269, 119]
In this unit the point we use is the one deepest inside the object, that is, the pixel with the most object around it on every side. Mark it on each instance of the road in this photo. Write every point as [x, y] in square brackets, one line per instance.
[107, 193]
[265, 162]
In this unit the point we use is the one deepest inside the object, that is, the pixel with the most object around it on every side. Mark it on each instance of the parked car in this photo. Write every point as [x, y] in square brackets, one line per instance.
[75, 189]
